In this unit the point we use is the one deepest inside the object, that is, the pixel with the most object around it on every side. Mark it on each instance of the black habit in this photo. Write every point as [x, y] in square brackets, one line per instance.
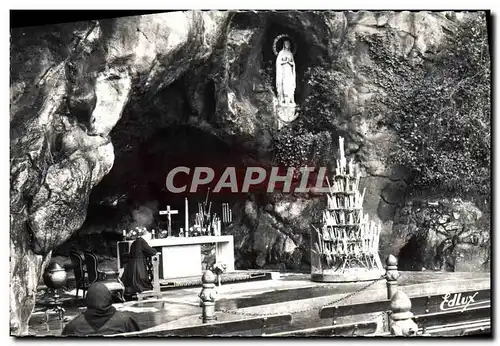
[101, 317]
[135, 277]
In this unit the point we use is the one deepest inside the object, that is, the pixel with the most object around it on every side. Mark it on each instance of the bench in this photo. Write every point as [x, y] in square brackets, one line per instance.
[420, 305]
[455, 322]
[251, 326]
[348, 329]
[426, 308]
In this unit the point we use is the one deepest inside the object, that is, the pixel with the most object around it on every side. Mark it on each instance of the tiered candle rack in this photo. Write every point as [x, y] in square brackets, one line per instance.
[345, 248]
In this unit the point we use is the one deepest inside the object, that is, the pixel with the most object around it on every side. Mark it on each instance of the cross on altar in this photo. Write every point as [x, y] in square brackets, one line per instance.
[169, 212]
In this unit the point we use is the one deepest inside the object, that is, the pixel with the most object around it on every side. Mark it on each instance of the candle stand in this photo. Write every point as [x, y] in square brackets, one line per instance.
[345, 248]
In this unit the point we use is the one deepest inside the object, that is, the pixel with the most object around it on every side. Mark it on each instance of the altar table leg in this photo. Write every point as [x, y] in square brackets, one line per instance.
[224, 253]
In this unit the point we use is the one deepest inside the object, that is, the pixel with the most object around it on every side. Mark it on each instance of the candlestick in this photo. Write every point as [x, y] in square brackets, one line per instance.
[186, 214]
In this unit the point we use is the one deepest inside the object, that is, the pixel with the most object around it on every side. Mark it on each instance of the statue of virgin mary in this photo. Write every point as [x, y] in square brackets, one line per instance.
[285, 75]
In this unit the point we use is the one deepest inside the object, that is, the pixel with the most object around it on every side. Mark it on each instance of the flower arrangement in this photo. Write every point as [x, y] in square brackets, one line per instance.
[195, 231]
[134, 233]
[218, 269]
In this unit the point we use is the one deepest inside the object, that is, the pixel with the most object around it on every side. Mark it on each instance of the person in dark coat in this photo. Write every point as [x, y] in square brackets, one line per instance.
[101, 317]
[135, 276]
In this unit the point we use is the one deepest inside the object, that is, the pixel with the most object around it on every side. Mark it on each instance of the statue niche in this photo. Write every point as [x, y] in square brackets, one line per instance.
[285, 74]
[285, 80]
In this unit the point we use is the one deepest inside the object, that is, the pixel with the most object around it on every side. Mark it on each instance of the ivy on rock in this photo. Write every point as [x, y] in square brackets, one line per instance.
[439, 106]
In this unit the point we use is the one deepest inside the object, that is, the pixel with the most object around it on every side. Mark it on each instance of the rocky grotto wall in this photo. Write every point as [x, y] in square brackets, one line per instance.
[99, 110]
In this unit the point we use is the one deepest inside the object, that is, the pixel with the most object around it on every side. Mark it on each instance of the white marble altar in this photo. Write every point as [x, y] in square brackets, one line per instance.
[181, 257]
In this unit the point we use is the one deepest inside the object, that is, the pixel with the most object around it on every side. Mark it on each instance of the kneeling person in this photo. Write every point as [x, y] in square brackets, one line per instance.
[135, 275]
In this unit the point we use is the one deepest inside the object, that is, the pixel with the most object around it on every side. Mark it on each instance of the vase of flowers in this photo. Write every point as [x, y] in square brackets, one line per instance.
[218, 269]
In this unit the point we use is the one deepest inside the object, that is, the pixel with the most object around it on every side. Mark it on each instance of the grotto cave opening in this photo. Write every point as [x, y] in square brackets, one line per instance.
[134, 191]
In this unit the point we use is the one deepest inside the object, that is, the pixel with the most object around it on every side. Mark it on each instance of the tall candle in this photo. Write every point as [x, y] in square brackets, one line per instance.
[186, 216]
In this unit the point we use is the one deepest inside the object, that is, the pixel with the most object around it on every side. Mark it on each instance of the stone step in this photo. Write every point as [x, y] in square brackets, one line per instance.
[242, 276]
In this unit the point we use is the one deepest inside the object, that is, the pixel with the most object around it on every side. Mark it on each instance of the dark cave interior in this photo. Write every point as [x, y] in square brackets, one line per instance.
[137, 183]
[154, 136]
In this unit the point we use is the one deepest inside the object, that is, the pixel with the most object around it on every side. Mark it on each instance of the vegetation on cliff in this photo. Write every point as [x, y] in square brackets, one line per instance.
[440, 108]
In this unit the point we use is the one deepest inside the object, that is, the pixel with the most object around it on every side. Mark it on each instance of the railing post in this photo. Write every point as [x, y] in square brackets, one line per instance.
[156, 273]
[207, 296]
[392, 274]
[402, 323]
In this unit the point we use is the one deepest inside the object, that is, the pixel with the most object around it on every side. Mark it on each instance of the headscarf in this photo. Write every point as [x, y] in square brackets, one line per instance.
[99, 305]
